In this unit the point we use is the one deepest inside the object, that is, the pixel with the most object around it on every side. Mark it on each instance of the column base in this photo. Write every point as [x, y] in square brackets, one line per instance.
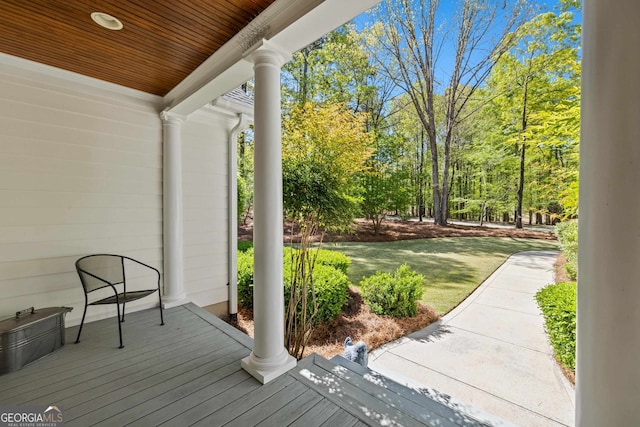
[174, 302]
[266, 372]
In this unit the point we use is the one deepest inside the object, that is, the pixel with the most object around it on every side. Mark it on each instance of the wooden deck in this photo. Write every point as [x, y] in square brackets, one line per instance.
[188, 373]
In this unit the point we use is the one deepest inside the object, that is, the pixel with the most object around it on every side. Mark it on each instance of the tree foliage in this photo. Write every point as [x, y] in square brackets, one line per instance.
[409, 47]
[324, 150]
[537, 109]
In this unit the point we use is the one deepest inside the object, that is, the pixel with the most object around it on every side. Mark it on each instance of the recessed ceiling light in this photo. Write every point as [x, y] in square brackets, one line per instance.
[107, 21]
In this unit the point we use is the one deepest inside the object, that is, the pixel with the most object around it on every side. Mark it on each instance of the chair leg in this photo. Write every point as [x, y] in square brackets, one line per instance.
[161, 317]
[82, 322]
[119, 327]
[122, 319]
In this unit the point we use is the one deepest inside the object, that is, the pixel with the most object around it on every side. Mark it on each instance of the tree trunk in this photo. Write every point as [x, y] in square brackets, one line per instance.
[421, 179]
[520, 187]
[522, 154]
[438, 213]
[305, 76]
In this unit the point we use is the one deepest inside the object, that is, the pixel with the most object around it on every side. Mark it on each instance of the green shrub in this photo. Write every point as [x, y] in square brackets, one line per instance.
[393, 295]
[334, 259]
[332, 291]
[245, 277]
[331, 284]
[245, 246]
[558, 305]
[242, 191]
[567, 233]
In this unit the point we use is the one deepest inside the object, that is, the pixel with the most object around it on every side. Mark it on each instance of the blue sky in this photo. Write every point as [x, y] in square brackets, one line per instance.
[448, 7]
[446, 12]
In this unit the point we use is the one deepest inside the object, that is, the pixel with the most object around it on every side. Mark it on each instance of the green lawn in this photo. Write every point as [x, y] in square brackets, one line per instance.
[453, 267]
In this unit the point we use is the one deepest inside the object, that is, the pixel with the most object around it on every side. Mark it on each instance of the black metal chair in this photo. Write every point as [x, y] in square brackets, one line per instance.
[105, 270]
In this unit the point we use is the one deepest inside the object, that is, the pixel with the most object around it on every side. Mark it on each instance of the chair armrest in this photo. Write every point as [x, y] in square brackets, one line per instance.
[144, 265]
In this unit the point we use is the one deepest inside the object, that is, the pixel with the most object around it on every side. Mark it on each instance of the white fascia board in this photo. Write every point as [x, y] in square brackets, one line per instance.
[324, 18]
[225, 80]
[289, 24]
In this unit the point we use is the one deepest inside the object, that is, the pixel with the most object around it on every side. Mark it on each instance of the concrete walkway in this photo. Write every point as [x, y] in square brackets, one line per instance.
[491, 352]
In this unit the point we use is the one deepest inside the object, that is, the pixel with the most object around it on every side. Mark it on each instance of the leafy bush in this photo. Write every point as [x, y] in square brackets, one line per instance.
[393, 295]
[242, 191]
[334, 259]
[245, 246]
[332, 291]
[567, 233]
[331, 284]
[558, 305]
[245, 277]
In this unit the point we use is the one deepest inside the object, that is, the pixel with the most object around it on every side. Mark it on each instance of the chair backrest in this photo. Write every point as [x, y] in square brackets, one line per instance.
[98, 271]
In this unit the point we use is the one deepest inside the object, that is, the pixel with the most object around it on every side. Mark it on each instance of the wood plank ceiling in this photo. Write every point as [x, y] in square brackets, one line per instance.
[161, 43]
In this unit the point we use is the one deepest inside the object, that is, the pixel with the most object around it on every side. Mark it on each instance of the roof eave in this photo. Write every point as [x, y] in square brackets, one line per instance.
[288, 24]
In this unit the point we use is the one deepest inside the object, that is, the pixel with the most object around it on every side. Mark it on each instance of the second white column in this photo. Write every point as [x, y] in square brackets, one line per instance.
[269, 357]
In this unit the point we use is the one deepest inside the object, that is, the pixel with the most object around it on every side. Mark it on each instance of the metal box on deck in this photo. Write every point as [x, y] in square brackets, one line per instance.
[30, 335]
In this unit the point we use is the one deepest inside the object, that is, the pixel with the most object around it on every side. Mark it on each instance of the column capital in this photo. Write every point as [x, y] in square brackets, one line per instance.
[169, 117]
[266, 51]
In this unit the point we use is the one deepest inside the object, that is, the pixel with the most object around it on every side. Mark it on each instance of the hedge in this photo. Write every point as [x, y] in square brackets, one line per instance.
[245, 277]
[332, 292]
[393, 294]
[331, 284]
[558, 305]
[334, 259]
[567, 233]
[245, 246]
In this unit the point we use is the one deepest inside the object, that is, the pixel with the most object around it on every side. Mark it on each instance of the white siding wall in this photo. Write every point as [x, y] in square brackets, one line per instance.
[81, 173]
[204, 174]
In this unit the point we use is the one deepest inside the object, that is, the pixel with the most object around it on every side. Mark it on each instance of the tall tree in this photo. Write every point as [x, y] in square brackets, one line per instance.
[538, 87]
[324, 149]
[333, 70]
[411, 44]
[487, 180]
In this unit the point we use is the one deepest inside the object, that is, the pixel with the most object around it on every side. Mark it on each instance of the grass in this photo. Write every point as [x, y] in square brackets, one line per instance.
[453, 267]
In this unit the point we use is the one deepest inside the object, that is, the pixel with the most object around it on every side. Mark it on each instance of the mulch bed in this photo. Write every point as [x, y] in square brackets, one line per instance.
[356, 321]
[393, 230]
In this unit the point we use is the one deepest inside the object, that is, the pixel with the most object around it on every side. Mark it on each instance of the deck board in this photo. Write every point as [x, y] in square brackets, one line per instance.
[72, 357]
[118, 401]
[188, 373]
[316, 415]
[93, 384]
[215, 402]
[186, 401]
[353, 398]
[261, 411]
[245, 403]
[340, 418]
[94, 368]
[292, 410]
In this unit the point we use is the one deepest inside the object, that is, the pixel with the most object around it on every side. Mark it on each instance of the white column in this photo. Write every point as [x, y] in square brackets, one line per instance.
[172, 211]
[608, 354]
[269, 358]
